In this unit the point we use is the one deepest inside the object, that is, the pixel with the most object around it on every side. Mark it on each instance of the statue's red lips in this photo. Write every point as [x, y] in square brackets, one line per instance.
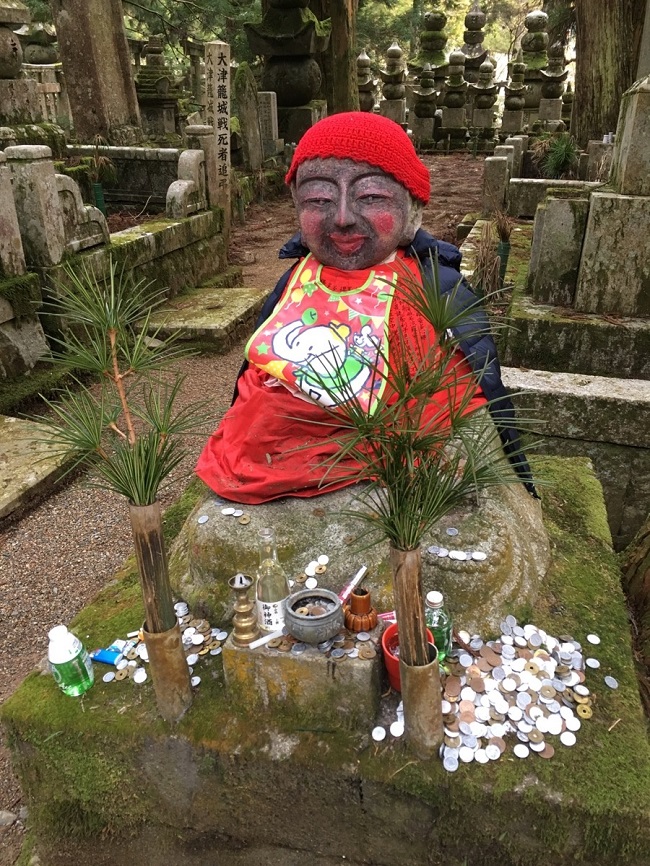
[347, 243]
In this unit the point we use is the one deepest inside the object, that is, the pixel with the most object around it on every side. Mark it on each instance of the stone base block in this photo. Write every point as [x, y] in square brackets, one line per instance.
[614, 273]
[524, 194]
[454, 118]
[19, 101]
[293, 123]
[422, 128]
[559, 230]
[394, 109]
[483, 118]
[512, 121]
[114, 784]
[520, 145]
[550, 109]
[495, 183]
[308, 685]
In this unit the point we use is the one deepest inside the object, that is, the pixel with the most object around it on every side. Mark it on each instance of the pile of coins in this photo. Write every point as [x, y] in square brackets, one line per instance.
[314, 606]
[344, 645]
[316, 566]
[458, 555]
[527, 683]
[199, 639]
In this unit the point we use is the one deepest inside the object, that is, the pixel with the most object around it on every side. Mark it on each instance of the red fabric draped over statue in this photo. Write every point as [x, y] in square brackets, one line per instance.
[272, 443]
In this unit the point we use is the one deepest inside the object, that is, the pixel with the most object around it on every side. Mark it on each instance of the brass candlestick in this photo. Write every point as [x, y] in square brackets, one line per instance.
[244, 620]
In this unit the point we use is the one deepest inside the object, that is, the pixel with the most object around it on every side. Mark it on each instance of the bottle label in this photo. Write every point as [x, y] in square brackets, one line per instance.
[270, 614]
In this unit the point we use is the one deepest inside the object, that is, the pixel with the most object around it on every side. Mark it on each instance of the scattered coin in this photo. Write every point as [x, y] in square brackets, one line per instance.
[611, 682]
[195, 681]
[238, 512]
[320, 569]
[479, 556]
[452, 531]
[139, 675]
[203, 519]
[109, 677]
[228, 511]
[592, 663]
[222, 635]
[323, 559]
[311, 583]
[378, 734]
[593, 638]
[244, 519]
[397, 728]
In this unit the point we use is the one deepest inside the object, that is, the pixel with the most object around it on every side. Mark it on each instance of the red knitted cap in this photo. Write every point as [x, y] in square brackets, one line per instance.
[365, 137]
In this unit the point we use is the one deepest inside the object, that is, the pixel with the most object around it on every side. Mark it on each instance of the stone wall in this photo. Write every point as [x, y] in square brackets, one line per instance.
[143, 173]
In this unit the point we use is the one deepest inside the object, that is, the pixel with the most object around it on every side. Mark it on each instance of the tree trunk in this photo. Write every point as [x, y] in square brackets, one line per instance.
[417, 23]
[406, 566]
[608, 38]
[345, 96]
[146, 525]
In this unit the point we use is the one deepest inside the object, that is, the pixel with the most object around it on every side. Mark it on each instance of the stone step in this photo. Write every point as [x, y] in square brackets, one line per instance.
[220, 316]
[28, 469]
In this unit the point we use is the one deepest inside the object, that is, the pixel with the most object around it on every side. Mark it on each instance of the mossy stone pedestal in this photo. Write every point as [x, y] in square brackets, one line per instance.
[107, 782]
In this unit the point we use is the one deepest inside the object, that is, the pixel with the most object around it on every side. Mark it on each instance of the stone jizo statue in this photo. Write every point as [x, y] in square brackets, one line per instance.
[359, 190]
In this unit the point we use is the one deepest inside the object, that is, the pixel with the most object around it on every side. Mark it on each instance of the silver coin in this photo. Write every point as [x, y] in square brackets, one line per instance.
[465, 729]
[466, 754]
[517, 631]
[537, 747]
[493, 752]
[573, 724]
[192, 659]
[505, 628]
[203, 519]
[195, 681]
[465, 660]
[481, 757]
[450, 764]
[581, 690]
[323, 559]
[592, 663]
[222, 635]
[353, 653]
[452, 531]
[521, 750]
[238, 512]
[216, 651]
[298, 648]
[510, 619]
[568, 738]
[433, 549]
[121, 664]
[593, 638]
[326, 645]
[397, 728]
[443, 552]
[448, 751]
[458, 555]
[378, 734]
[139, 676]
[228, 511]
[611, 682]
[470, 741]
[109, 677]
[337, 653]
[479, 556]
[363, 636]
[311, 583]
[197, 639]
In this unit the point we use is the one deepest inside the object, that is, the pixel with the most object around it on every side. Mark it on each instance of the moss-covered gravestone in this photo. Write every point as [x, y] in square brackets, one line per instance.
[107, 782]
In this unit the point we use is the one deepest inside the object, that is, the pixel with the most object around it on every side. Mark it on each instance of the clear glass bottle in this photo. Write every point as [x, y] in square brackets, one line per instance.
[272, 587]
[71, 666]
[439, 622]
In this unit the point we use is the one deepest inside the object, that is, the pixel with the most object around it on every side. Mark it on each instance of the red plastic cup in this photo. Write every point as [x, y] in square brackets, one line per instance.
[389, 643]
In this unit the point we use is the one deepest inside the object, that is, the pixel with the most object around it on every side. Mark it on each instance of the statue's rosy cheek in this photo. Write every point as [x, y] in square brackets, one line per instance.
[384, 223]
[311, 223]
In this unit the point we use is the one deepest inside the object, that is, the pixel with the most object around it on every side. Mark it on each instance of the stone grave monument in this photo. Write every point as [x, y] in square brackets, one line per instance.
[432, 47]
[366, 84]
[272, 144]
[534, 44]
[393, 76]
[483, 96]
[19, 99]
[424, 110]
[553, 82]
[475, 53]
[289, 38]
[512, 121]
[248, 112]
[158, 93]
[453, 131]
[97, 65]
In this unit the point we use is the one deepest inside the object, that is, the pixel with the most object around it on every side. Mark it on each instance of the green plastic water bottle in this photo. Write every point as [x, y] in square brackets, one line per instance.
[71, 666]
[439, 621]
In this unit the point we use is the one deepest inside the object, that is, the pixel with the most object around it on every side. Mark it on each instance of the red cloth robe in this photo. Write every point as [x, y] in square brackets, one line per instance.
[272, 444]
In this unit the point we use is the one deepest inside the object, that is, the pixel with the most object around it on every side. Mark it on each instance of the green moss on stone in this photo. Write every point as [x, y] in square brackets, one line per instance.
[23, 293]
[81, 761]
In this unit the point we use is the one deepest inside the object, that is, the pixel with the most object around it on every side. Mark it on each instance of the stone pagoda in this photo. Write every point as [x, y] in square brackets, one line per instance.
[512, 121]
[393, 105]
[424, 109]
[157, 92]
[453, 132]
[289, 38]
[432, 47]
[473, 49]
[553, 83]
[534, 45]
[366, 84]
[484, 94]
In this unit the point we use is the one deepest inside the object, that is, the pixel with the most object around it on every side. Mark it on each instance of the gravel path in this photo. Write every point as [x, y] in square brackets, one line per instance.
[59, 555]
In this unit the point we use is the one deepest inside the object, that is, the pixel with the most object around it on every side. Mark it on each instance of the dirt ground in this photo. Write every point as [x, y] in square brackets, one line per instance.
[57, 557]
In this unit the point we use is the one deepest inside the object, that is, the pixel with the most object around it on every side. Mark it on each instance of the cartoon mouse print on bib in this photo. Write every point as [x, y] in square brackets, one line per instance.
[331, 345]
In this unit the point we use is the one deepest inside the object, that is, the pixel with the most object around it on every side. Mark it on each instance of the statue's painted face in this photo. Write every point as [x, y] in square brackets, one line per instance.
[352, 215]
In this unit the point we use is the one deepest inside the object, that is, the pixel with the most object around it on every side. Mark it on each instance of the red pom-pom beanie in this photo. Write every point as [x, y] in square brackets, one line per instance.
[365, 137]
